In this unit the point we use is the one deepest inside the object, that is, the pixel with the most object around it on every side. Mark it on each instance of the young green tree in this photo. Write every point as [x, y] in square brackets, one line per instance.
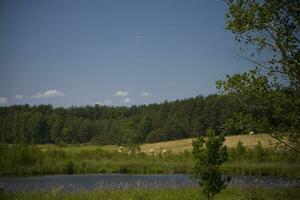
[144, 128]
[209, 153]
[130, 139]
[56, 130]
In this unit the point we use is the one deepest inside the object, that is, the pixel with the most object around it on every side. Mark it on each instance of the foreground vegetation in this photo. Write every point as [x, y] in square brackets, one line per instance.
[137, 194]
[21, 159]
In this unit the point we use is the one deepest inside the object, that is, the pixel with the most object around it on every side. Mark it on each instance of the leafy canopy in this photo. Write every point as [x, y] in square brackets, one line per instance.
[268, 32]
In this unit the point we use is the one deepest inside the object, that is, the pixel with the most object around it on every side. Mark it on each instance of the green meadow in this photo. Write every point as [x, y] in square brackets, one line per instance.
[23, 160]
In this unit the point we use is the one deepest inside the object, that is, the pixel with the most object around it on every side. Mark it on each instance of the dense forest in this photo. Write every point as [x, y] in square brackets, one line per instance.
[135, 124]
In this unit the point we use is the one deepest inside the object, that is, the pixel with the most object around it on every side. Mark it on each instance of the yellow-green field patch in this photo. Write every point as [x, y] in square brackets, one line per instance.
[176, 146]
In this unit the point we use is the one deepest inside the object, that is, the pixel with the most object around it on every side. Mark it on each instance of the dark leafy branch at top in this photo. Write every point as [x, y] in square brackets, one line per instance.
[272, 29]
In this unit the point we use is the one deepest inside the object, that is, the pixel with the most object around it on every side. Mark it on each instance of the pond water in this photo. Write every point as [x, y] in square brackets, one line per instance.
[123, 181]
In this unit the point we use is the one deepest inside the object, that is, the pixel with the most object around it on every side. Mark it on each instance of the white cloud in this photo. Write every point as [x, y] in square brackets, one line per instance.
[121, 93]
[48, 93]
[3, 100]
[146, 94]
[127, 100]
[19, 96]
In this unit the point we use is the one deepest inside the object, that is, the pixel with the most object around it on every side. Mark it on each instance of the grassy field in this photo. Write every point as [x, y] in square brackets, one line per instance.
[174, 194]
[21, 160]
[249, 141]
[176, 146]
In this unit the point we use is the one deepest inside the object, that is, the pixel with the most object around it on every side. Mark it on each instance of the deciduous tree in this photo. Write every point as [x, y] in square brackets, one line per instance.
[268, 33]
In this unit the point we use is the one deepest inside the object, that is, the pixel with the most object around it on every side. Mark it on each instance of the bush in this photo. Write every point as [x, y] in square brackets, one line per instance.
[259, 153]
[69, 167]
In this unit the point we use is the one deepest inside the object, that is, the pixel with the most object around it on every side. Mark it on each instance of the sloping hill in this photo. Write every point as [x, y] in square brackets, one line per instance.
[248, 141]
[177, 146]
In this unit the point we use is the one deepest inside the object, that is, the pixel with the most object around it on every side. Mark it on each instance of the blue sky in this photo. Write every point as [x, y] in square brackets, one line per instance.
[71, 52]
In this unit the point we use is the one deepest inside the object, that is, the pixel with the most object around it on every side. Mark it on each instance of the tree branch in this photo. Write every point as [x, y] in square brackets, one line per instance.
[280, 33]
[258, 63]
[278, 43]
[284, 143]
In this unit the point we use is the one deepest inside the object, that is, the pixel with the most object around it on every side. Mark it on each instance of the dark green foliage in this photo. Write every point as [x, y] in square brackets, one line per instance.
[130, 139]
[268, 32]
[210, 154]
[156, 135]
[19, 159]
[69, 167]
[240, 149]
[260, 153]
[239, 152]
[56, 130]
[107, 125]
[144, 128]
[241, 122]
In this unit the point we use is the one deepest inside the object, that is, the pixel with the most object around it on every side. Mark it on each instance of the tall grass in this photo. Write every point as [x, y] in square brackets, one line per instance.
[17, 160]
[159, 194]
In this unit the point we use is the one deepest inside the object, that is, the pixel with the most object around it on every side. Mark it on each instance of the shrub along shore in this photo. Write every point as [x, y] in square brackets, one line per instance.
[21, 159]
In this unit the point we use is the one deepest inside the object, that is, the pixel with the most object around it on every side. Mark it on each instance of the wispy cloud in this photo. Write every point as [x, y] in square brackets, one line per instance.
[137, 37]
[19, 96]
[48, 93]
[127, 100]
[146, 94]
[3, 100]
[121, 93]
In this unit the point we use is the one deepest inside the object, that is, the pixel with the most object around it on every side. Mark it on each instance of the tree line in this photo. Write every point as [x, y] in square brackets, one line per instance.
[130, 125]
